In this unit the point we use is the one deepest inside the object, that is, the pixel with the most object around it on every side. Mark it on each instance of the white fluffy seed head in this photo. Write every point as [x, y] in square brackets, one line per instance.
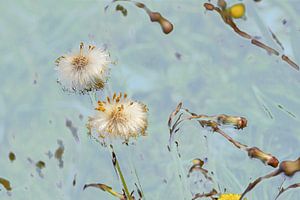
[85, 70]
[119, 117]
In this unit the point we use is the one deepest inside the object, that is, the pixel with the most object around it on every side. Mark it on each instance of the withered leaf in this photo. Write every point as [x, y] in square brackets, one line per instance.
[121, 9]
[165, 24]
[105, 188]
[5, 183]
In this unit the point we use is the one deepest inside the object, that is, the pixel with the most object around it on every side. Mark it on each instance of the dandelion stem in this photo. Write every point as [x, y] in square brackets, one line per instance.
[118, 168]
[123, 180]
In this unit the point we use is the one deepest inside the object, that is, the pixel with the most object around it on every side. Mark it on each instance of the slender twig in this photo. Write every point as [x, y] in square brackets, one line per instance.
[258, 180]
[165, 24]
[293, 186]
[253, 152]
[287, 167]
[214, 122]
[201, 195]
[229, 21]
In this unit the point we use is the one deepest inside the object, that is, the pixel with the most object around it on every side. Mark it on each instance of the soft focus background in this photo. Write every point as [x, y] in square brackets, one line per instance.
[217, 72]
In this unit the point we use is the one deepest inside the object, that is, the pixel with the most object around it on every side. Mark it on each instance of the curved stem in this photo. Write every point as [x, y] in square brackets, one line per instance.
[123, 180]
[119, 171]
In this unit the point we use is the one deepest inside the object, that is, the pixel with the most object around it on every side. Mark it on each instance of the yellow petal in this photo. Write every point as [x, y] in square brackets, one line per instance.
[230, 197]
[237, 11]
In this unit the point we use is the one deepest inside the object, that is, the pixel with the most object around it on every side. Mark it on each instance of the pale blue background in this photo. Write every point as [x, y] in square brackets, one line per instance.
[219, 72]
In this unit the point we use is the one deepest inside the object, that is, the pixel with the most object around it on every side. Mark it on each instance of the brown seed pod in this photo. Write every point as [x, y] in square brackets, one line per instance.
[289, 168]
[266, 158]
[237, 122]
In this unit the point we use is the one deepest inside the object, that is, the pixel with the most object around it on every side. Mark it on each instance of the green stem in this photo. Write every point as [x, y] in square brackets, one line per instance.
[123, 180]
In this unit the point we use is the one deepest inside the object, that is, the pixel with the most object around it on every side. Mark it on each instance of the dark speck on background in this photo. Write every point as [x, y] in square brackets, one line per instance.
[178, 55]
[74, 180]
[284, 21]
[11, 156]
[35, 78]
[59, 153]
[49, 154]
[39, 166]
[59, 185]
[121, 9]
[288, 112]
[73, 129]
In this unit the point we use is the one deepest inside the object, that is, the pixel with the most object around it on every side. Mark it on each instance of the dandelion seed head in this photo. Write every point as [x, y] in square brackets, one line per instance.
[85, 70]
[119, 117]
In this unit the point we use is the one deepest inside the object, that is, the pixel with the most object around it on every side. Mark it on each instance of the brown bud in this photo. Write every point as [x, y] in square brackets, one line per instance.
[166, 26]
[237, 122]
[268, 159]
[289, 168]
[209, 6]
[242, 123]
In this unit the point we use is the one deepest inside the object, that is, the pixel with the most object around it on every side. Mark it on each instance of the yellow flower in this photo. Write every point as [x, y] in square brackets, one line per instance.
[237, 11]
[230, 197]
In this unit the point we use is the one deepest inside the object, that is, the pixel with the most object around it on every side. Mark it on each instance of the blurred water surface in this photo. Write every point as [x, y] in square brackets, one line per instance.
[219, 72]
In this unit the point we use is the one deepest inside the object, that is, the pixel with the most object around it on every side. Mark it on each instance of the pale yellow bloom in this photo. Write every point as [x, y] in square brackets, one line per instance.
[85, 70]
[119, 117]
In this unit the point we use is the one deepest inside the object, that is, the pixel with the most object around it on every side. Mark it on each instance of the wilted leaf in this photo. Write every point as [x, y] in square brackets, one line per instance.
[5, 183]
[121, 9]
[104, 188]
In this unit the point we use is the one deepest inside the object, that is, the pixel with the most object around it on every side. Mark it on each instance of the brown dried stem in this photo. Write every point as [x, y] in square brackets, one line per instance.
[174, 121]
[214, 122]
[258, 180]
[229, 21]
[288, 168]
[165, 24]
[198, 166]
[253, 152]
[293, 186]
[105, 188]
[201, 195]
